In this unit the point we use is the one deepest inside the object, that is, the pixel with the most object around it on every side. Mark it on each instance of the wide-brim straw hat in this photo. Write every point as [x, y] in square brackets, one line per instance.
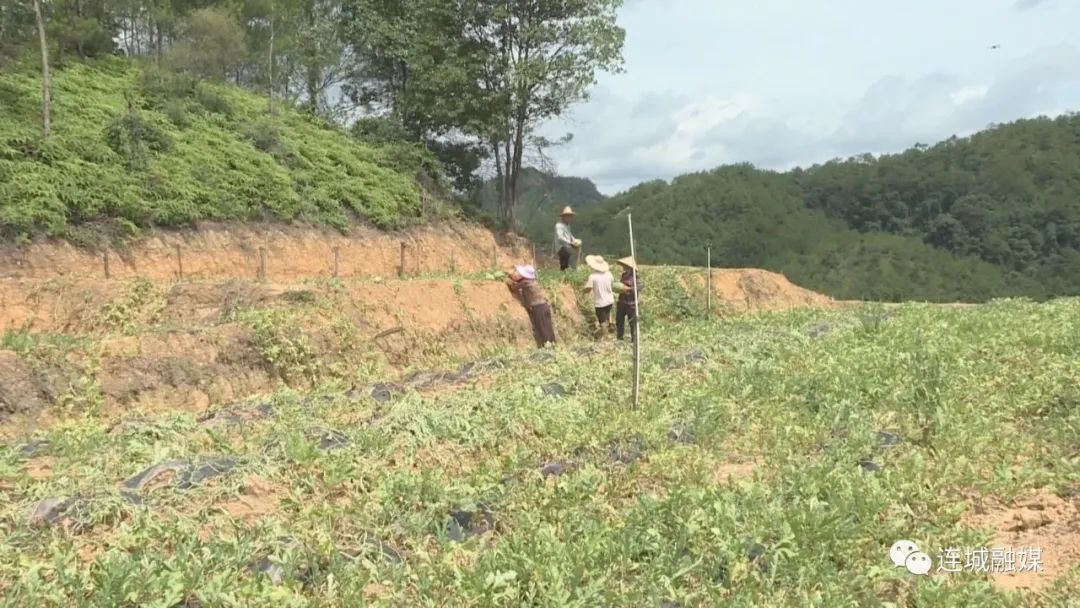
[597, 263]
[526, 271]
[567, 211]
[629, 263]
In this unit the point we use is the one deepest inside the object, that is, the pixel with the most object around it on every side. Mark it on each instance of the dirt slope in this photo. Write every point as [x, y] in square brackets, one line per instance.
[752, 290]
[230, 251]
[154, 343]
[189, 345]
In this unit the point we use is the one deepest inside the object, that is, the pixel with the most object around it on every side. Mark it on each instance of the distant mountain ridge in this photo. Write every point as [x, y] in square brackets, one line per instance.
[991, 215]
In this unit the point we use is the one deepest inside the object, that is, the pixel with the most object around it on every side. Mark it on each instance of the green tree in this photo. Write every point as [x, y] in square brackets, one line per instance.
[539, 58]
[210, 45]
[485, 71]
[17, 27]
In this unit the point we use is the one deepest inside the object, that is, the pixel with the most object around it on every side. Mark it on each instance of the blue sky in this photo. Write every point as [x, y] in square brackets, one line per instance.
[784, 83]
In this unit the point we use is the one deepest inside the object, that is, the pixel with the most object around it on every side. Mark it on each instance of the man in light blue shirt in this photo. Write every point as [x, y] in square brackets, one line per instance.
[564, 239]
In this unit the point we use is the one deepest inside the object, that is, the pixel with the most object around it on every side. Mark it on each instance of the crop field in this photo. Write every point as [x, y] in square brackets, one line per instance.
[774, 460]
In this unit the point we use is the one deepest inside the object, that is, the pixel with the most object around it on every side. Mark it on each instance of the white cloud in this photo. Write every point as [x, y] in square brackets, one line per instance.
[834, 89]
[970, 93]
[1030, 4]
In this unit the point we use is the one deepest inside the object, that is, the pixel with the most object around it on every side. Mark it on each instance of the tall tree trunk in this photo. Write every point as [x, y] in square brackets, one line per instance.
[155, 31]
[311, 52]
[500, 187]
[515, 169]
[46, 79]
[313, 78]
[270, 89]
[508, 196]
[80, 47]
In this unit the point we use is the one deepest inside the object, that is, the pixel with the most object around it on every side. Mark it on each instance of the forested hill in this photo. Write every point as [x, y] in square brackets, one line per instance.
[135, 147]
[237, 110]
[994, 214]
[543, 195]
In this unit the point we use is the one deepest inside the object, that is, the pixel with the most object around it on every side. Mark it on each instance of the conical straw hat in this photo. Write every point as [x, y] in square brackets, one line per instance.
[597, 263]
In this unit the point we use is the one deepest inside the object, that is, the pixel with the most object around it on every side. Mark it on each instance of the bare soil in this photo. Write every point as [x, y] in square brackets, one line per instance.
[190, 355]
[1041, 521]
[40, 468]
[163, 344]
[257, 498]
[754, 290]
[733, 472]
[232, 250]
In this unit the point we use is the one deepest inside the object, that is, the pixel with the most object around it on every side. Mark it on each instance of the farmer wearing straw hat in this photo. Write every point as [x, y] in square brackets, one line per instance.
[564, 239]
[526, 289]
[627, 306]
[600, 284]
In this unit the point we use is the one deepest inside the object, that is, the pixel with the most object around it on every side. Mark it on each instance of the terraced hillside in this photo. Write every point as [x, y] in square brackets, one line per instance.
[134, 148]
[774, 461]
[110, 347]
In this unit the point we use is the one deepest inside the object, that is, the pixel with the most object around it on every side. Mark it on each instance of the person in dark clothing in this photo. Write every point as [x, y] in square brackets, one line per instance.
[627, 305]
[526, 289]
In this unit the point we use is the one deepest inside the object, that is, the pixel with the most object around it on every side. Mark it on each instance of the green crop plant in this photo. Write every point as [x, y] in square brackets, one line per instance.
[282, 344]
[743, 478]
[142, 305]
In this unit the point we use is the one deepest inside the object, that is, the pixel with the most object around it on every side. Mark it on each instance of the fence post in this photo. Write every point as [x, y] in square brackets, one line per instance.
[635, 326]
[417, 257]
[337, 262]
[401, 264]
[107, 273]
[495, 255]
[453, 262]
[708, 279]
[179, 264]
[262, 263]
[534, 255]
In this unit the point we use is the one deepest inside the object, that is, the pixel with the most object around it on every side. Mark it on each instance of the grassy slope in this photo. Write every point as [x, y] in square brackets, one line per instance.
[227, 159]
[772, 388]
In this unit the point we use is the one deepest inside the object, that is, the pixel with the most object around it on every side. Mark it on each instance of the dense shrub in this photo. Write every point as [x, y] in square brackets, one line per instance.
[153, 148]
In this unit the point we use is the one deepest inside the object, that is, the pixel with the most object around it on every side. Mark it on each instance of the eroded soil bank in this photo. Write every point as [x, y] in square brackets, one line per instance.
[112, 346]
[284, 253]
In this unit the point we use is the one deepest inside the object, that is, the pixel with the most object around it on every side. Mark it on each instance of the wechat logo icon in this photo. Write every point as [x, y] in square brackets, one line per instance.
[906, 554]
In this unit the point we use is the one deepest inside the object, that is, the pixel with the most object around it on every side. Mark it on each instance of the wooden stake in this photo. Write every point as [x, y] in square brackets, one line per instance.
[495, 256]
[179, 264]
[453, 262]
[337, 262]
[636, 321]
[401, 264]
[107, 273]
[262, 263]
[708, 279]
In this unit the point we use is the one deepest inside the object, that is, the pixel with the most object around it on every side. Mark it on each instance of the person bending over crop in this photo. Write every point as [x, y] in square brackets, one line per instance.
[526, 289]
[627, 306]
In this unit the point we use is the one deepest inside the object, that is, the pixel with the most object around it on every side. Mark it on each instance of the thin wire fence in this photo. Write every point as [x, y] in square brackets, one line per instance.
[406, 258]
